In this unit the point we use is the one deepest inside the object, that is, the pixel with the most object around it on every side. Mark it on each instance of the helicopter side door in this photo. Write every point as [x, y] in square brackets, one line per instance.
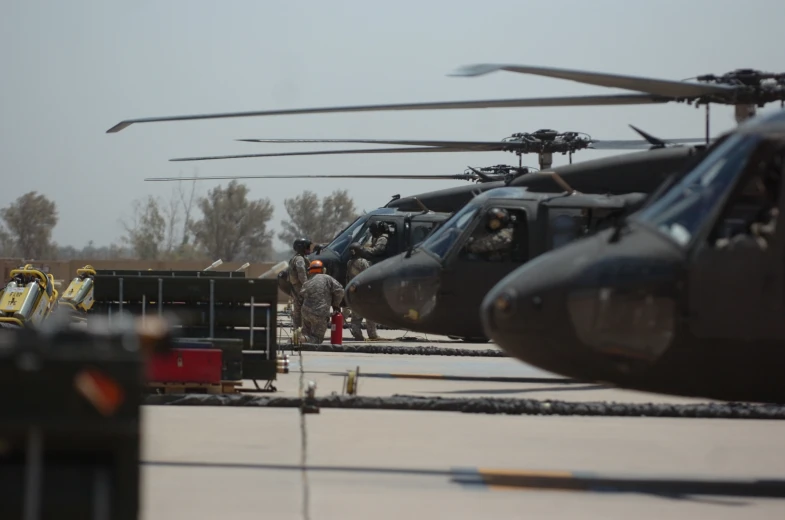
[735, 277]
[468, 275]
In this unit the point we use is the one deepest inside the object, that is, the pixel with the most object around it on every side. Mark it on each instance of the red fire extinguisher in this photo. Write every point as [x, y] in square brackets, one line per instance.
[336, 328]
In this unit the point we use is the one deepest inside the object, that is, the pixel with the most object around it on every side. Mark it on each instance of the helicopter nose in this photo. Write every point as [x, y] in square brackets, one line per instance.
[363, 294]
[591, 309]
[526, 313]
[396, 292]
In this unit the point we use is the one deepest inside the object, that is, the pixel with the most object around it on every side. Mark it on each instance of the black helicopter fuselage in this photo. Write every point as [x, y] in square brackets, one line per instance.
[438, 288]
[634, 172]
[406, 229]
[402, 286]
[639, 172]
[683, 298]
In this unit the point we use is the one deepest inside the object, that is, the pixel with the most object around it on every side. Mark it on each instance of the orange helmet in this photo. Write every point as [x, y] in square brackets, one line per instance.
[316, 267]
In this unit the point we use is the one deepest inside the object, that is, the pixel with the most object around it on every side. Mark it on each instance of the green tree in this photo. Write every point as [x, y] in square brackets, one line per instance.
[146, 232]
[233, 227]
[30, 220]
[317, 220]
[7, 245]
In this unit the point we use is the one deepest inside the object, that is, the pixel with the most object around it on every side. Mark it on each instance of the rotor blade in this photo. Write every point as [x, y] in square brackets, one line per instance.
[614, 99]
[476, 145]
[635, 144]
[468, 145]
[229, 177]
[325, 152]
[657, 87]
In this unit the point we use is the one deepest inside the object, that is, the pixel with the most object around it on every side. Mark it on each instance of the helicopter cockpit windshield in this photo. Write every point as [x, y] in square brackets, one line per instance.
[346, 237]
[441, 240]
[681, 211]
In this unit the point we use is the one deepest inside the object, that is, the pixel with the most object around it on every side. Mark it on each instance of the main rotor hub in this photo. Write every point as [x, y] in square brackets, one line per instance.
[753, 87]
[546, 134]
[547, 141]
[500, 172]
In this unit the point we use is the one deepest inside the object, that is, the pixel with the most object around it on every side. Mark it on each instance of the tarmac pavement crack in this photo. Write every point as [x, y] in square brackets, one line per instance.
[304, 444]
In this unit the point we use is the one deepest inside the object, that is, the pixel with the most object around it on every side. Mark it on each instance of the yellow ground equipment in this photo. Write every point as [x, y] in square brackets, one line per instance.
[79, 294]
[28, 297]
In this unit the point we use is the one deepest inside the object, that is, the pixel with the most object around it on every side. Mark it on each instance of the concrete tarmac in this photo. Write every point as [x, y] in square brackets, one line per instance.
[238, 463]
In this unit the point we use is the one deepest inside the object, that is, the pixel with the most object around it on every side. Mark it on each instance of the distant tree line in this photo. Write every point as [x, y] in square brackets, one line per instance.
[224, 224]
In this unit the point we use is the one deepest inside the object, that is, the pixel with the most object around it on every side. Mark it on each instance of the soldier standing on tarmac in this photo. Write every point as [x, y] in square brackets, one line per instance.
[362, 259]
[319, 293]
[355, 266]
[298, 276]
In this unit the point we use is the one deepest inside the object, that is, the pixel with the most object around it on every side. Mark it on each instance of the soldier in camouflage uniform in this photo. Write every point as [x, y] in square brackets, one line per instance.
[499, 240]
[319, 293]
[355, 266]
[378, 245]
[362, 258]
[298, 276]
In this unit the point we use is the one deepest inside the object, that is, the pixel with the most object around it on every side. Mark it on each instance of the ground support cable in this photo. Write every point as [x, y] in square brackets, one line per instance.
[509, 406]
[389, 349]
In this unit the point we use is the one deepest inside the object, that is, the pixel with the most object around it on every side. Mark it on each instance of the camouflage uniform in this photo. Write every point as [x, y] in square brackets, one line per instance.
[318, 294]
[495, 243]
[378, 244]
[354, 267]
[297, 277]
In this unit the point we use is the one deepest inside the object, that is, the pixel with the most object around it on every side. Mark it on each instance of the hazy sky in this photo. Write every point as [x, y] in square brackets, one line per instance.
[71, 70]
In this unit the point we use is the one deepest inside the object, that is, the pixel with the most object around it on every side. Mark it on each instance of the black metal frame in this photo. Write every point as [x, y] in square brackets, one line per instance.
[209, 305]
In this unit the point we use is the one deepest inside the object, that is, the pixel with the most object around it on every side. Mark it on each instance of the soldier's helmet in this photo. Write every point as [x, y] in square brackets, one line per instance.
[300, 245]
[316, 267]
[377, 228]
[497, 218]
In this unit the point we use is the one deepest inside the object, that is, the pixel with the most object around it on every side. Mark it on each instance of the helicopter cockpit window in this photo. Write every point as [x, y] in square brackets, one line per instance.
[750, 215]
[566, 225]
[507, 243]
[685, 207]
[349, 235]
[421, 230]
[441, 241]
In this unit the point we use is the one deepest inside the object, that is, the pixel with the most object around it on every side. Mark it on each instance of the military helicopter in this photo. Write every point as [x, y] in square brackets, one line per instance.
[407, 229]
[629, 173]
[437, 286]
[685, 296]
[412, 219]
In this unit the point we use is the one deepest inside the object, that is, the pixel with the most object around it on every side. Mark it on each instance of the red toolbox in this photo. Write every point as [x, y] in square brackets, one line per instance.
[186, 365]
